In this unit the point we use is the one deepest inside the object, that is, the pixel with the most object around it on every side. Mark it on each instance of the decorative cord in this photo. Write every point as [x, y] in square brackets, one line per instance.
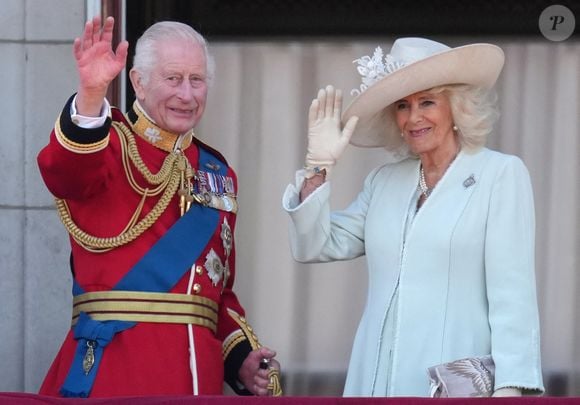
[168, 180]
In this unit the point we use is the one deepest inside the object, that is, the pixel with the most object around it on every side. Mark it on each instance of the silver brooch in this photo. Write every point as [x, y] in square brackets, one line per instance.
[468, 182]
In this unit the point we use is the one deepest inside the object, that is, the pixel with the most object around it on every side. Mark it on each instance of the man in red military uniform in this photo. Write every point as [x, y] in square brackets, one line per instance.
[151, 213]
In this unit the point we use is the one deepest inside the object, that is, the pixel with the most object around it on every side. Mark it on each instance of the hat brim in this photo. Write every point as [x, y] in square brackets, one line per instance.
[476, 64]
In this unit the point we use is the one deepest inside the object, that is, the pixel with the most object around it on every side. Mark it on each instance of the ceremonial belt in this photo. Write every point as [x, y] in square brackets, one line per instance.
[147, 307]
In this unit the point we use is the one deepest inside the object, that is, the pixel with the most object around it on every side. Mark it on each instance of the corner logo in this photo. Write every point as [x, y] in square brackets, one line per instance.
[557, 23]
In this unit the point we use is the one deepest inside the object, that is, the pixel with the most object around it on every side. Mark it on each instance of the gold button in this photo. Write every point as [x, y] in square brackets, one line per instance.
[197, 288]
[199, 269]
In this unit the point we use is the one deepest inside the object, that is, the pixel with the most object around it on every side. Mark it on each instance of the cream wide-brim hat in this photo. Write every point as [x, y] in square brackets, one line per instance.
[413, 65]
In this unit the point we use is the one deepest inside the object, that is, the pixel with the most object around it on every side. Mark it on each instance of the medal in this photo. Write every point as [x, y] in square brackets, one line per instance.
[227, 203]
[214, 190]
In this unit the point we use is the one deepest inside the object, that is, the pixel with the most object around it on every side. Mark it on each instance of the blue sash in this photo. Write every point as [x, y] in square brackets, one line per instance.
[157, 271]
[98, 334]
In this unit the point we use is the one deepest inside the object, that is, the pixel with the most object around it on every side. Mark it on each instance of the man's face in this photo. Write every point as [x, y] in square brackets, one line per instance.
[176, 92]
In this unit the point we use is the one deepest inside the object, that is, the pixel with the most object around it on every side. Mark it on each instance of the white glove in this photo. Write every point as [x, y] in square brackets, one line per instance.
[507, 392]
[326, 140]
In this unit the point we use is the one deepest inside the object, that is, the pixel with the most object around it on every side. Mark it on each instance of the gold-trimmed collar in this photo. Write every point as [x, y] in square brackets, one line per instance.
[144, 126]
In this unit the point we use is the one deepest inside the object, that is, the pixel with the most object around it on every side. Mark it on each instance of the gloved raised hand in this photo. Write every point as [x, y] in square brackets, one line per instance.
[326, 139]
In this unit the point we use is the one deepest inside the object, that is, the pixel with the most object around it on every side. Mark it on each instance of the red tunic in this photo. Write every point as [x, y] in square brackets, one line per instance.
[150, 358]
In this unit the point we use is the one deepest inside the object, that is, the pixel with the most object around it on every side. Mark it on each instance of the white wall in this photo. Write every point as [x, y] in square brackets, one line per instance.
[38, 75]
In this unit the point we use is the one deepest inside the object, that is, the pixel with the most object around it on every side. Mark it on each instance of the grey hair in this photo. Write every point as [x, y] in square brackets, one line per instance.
[145, 50]
[474, 111]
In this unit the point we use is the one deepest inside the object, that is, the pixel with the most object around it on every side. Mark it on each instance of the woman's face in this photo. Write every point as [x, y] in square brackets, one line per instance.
[425, 120]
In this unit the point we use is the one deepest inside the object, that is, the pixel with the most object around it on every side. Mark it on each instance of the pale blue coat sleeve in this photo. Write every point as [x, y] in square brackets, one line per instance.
[510, 279]
[319, 235]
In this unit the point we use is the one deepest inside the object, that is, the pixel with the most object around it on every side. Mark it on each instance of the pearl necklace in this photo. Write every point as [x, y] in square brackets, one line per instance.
[426, 191]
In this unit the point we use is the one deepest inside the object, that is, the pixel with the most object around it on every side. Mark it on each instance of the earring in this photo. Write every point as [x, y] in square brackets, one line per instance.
[455, 128]
[402, 135]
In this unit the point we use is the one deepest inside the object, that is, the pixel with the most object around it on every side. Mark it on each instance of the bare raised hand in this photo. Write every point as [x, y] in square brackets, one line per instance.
[97, 64]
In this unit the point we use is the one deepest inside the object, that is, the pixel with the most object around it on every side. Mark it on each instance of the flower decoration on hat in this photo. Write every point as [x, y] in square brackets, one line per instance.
[412, 65]
[372, 69]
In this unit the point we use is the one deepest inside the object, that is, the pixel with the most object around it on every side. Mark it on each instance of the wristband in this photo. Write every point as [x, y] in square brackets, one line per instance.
[314, 171]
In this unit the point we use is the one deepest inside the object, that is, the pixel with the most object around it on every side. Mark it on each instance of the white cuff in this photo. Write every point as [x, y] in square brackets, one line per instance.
[89, 122]
[291, 197]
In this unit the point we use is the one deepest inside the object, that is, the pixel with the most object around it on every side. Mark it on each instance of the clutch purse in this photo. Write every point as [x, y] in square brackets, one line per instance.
[469, 377]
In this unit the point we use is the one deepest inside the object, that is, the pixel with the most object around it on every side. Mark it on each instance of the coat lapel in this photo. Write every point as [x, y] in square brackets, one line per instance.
[454, 190]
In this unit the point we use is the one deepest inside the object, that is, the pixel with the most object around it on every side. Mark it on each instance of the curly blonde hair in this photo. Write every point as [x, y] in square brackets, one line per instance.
[474, 111]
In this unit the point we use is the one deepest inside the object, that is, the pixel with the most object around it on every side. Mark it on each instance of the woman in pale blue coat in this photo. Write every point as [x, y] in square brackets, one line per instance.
[448, 230]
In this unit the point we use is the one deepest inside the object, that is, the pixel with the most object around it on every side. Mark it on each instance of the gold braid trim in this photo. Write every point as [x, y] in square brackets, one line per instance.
[232, 341]
[130, 152]
[168, 180]
[76, 147]
[246, 329]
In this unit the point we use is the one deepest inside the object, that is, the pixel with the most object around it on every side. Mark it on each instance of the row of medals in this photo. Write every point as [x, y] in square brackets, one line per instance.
[210, 190]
